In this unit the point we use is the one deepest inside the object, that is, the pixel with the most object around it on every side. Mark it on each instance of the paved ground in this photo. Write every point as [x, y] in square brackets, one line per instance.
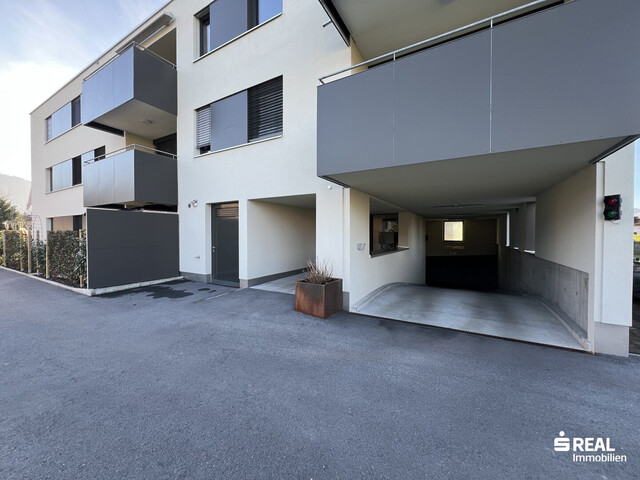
[282, 285]
[181, 381]
[518, 317]
[634, 331]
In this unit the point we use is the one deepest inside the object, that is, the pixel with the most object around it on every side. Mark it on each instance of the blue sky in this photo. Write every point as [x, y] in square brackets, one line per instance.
[43, 44]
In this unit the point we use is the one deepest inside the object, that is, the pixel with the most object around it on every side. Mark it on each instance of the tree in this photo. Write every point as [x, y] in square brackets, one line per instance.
[8, 211]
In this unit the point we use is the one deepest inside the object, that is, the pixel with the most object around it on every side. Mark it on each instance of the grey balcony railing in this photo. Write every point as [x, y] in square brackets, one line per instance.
[560, 77]
[134, 175]
[136, 91]
[451, 34]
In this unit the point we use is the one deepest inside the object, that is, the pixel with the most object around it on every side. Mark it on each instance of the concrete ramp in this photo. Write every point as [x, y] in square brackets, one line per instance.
[516, 317]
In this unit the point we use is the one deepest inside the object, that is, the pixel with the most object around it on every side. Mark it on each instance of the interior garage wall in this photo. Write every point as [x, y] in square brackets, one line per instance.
[479, 238]
[130, 246]
[280, 238]
[566, 218]
[370, 273]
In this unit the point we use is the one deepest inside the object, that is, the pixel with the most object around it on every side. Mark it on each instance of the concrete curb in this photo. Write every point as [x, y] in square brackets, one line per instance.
[93, 292]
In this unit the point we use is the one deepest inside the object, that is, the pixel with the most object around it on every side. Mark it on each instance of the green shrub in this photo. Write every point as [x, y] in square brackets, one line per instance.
[14, 248]
[68, 257]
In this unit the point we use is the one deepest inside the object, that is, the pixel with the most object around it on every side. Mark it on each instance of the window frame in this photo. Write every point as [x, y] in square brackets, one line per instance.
[444, 231]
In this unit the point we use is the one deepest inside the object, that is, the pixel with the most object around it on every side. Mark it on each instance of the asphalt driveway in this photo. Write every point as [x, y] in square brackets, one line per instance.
[198, 381]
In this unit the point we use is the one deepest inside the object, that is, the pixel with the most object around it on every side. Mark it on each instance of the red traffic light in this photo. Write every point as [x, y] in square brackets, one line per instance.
[611, 201]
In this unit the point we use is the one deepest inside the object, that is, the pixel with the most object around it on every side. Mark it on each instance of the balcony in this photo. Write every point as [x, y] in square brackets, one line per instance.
[134, 176]
[135, 92]
[522, 104]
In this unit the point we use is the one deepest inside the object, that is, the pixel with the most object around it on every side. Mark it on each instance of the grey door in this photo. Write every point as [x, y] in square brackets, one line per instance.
[224, 243]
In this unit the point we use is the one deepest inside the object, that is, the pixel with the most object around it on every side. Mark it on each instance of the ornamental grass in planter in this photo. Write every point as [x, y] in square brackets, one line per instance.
[319, 294]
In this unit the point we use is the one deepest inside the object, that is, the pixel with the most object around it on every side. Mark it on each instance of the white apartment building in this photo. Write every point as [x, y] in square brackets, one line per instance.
[456, 146]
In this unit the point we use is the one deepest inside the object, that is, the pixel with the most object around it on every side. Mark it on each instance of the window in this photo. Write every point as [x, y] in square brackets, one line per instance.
[77, 223]
[383, 233]
[262, 10]
[75, 112]
[61, 176]
[247, 116]
[453, 231]
[224, 20]
[69, 173]
[265, 110]
[63, 119]
[205, 30]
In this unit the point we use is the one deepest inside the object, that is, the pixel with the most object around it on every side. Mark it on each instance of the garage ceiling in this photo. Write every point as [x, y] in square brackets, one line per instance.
[476, 185]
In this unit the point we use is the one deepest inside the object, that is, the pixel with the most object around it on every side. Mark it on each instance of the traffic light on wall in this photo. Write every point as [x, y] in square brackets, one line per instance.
[612, 207]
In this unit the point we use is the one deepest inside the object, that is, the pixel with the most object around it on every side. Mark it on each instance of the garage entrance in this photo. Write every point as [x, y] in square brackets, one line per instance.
[515, 317]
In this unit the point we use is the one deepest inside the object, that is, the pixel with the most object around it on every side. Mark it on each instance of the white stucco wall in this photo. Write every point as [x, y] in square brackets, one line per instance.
[367, 273]
[571, 231]
[296, 46]
[280, 238]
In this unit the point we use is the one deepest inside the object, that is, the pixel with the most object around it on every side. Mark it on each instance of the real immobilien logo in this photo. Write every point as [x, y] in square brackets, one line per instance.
[593, 449]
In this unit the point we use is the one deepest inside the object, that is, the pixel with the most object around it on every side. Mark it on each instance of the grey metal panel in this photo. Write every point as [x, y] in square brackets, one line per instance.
[442, 99]
[156, 179]
[355, 122]
[91, 184]
[89, 101]
[132, 176]
[566, 75]
[229, 18]
[128, 247]
[156, 82]
[229, 122]
[123, 75]
[133, 74]
[106, 178]
[123, 176]
[105, 88]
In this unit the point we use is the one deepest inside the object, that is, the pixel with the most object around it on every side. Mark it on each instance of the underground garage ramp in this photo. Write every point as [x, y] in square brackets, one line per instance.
[516, 317]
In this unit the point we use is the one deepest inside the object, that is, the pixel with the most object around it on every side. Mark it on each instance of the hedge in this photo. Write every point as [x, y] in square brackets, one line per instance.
[68, 257]
[11, 255]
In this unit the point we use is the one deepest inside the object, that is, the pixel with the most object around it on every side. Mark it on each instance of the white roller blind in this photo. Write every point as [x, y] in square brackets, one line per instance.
[203, 127]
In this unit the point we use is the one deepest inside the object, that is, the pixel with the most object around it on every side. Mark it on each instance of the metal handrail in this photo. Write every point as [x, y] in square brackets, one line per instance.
[395, 53]
[139, 47]
[133, 146]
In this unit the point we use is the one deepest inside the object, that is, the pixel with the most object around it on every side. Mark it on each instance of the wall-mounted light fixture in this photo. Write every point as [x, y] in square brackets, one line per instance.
[193, 203]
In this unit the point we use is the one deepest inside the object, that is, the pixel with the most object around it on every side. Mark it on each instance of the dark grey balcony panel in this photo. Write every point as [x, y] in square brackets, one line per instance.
[129, 247]
[355, 122]
[567, 75]
[133, 178]
[560, 76]
[155, 82]
[135, 92]
[442, 101]
[229, 121]
[156, 179]
[229, 18]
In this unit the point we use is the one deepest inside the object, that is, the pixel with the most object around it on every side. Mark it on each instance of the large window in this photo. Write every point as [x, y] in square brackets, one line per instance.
[69, 173]
[63, 119]
[247, 116]
[224, 20]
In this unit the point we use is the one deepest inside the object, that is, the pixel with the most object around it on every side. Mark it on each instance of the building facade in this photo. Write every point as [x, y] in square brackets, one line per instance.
[454, 146]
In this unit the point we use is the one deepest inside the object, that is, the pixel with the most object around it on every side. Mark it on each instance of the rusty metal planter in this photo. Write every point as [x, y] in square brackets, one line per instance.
[319, 300]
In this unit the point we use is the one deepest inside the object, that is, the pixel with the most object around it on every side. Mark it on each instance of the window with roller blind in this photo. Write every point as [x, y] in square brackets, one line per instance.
[247, 116]
[224, 20]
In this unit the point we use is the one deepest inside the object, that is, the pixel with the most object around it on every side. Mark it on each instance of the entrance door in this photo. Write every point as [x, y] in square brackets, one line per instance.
[224, 243]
